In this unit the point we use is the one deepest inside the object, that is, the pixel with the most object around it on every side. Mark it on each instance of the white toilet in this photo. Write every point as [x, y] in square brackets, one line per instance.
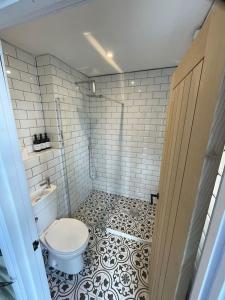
[66, 239]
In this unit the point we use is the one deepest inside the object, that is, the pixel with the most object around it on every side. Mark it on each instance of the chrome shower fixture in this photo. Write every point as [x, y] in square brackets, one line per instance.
[93, 87]
[92, 82]
[93, 92]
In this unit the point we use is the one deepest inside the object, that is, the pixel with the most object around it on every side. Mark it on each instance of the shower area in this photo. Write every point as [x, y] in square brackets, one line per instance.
[109, 131]
[89, 151]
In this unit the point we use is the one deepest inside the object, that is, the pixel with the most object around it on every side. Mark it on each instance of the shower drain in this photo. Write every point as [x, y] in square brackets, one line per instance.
[134, 213]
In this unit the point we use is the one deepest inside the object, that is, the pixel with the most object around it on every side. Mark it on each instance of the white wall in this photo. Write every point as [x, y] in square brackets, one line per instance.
[57, 80]
[128, 144]
[25, 93]
[34, 111]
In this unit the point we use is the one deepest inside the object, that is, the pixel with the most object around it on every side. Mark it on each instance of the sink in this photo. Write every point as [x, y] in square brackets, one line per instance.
[44, 205]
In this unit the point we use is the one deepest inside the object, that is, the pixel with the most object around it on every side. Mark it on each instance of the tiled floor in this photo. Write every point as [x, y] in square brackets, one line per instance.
[130, 216]
[115, 267]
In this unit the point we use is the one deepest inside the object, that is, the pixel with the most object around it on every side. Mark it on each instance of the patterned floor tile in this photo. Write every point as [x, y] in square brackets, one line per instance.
[116, 268]
[131, 216]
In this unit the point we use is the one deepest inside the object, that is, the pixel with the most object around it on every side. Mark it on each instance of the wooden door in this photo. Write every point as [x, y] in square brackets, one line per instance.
[190, 117]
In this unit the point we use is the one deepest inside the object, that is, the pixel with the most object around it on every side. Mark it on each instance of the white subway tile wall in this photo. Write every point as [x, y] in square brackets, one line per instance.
[48, 164]
[57, 81]
[25, 93]
[34, 105]
[28, 112]
[127, 140]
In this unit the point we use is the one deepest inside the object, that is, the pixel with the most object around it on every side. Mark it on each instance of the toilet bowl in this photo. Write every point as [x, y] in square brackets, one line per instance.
[65, 239]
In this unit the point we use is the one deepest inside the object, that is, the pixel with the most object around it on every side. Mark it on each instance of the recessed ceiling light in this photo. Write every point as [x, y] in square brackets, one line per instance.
[8, 71]
[109, 54]
[132, 82]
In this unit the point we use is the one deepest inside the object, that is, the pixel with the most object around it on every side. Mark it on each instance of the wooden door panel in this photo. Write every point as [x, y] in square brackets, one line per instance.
[170, 170]
[184, 104]
[155, 244]
[170, 279]
[164, 170]
[195, 92]
[173, 172]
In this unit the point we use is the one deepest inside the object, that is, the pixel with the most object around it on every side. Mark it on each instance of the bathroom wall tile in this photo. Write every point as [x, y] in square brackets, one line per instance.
[23, 84]
[32, 69]
[127, 142]
[25, 56]
[58, 82]
[28, 111]
[8, 49]
[167, 71]
[16, 95]
[32, 162]
[17, 64]
[43, 60]
[28, 123]
[13, 73]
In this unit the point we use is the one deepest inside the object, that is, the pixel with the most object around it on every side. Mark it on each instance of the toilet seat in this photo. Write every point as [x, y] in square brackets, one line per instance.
[67, 236]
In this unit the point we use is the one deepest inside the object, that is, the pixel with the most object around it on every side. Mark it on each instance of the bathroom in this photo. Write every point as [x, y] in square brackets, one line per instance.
[91, 129]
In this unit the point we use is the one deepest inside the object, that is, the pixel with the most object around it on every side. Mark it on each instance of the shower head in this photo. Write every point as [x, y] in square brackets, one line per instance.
[91, 82]
[93, 85]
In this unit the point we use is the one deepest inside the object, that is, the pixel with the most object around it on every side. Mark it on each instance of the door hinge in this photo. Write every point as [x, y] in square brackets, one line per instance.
[35, 245]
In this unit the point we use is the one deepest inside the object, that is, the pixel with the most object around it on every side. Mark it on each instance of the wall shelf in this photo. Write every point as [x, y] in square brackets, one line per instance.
[32, 155]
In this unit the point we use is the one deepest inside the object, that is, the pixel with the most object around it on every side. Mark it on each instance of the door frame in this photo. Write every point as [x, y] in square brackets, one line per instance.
[191, 203]
[17, 226]
[210, 279]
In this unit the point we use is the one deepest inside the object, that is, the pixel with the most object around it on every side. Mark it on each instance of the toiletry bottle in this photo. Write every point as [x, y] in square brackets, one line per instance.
[47, 141]
[42, 142]
[36, 144]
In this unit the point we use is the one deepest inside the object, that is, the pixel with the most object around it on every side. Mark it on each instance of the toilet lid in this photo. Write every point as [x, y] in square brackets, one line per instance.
[67, 235]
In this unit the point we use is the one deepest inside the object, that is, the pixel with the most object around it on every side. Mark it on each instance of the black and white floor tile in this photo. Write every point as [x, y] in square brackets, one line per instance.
[131, 216]
[115, 268]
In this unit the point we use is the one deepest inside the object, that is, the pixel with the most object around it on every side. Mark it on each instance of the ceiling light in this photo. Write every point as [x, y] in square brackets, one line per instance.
[8, 71]
[109, 54]
[132, 82]
[99, 48]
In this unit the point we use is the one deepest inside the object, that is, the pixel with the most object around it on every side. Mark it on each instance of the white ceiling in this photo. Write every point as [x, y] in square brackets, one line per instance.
[142, 34]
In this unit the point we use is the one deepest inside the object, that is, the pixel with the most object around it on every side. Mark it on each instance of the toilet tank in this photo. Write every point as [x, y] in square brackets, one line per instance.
[44, 204]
